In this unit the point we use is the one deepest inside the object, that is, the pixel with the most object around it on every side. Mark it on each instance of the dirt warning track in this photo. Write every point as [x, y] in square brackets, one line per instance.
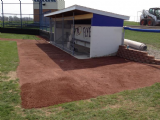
[49, 76]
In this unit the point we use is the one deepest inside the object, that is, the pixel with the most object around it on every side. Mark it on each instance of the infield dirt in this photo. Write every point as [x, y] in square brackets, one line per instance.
[49, 76]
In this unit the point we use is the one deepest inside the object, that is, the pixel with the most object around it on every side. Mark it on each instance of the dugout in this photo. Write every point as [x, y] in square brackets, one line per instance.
[85, 32]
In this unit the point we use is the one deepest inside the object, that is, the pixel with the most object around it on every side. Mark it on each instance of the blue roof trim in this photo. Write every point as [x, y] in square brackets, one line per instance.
[141, 30]
[101, 20]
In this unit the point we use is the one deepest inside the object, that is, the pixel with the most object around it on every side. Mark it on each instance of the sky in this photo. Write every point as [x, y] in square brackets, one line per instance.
[124, 7]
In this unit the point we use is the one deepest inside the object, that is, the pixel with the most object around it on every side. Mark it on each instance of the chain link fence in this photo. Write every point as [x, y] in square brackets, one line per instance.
[11, 19]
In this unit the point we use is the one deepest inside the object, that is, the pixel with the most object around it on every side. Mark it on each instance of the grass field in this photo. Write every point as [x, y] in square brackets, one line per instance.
[152, 40]
[144, 37]
[130, 23]
[18, 36]
[140, 104]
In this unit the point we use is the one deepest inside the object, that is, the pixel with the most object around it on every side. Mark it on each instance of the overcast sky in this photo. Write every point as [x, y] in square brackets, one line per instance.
[124, 7]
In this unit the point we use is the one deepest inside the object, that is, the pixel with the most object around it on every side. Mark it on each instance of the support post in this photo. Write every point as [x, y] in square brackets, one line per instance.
[50, 30]
[55, 30]
[2, 13]
[123, 36]
[45, 23]
[20, 13]
[63, 30]
[137, 16]
[40, 14]
[73, 42]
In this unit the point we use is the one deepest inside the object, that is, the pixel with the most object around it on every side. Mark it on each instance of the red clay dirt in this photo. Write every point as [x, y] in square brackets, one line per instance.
[49, 76]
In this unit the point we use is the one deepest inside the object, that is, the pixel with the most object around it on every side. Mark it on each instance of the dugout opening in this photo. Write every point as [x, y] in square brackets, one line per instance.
[72, 34]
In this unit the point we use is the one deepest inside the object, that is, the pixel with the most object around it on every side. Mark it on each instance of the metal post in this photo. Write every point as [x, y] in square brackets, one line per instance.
[27, 20]
[20, 13]
[55, 30]
[42, 21]
[2, 13]
[45, 23]
[73, 34]
[137, 16]
[40, 13]
[39, 17]
[50, 30]
[123, 36]
[63, 30]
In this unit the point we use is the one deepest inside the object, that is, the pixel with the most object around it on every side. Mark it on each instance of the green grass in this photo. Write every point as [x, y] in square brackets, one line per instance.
[8, 56]
[18, 36]
[140, 104]
[144, 37]
[130, 23]
[149, 38]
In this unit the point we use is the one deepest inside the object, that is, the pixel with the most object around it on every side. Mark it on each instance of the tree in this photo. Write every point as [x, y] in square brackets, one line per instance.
[10, 18]
[5, 18]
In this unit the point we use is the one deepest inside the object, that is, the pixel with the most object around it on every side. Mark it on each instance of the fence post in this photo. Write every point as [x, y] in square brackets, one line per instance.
[40, 13]
[55, 30]
[50, 30]
[20, 13]
[2, 13]
[73, 34]
[45, 23]
[63, 30]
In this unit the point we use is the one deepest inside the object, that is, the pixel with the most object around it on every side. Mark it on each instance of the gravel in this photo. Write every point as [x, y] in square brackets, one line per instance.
[153, 51]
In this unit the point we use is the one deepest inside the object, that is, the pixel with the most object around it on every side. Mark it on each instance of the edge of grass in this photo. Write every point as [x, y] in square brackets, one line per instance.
[140, 104]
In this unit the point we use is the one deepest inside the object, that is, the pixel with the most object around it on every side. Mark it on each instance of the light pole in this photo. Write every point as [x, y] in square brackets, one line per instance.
[137, 14]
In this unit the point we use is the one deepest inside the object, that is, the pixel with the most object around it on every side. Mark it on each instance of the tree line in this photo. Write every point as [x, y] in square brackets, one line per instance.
[15, 18]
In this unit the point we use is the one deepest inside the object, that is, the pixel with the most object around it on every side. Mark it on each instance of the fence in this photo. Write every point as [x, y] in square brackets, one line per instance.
[21, 20]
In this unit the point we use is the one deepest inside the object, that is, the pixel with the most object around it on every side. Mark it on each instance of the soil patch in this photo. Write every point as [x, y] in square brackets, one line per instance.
[46, 81]
[12, 75]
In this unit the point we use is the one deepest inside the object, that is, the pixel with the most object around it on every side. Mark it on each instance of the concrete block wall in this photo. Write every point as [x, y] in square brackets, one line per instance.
[136, 55]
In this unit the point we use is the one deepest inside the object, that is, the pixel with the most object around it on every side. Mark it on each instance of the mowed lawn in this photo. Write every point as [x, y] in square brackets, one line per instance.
[18, 36]
[140, 104]
[148, 38]
[131, 23]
